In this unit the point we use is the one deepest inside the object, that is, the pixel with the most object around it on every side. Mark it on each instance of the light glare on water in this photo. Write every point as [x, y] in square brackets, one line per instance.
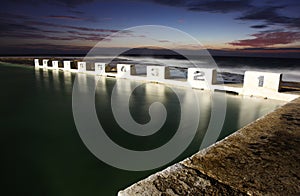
[42, 153]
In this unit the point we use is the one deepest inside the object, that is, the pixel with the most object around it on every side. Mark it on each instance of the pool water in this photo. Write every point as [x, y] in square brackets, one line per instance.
[43, 154]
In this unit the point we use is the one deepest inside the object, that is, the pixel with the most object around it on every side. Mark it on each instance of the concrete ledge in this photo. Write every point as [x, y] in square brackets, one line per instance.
[262, 158]
[258, 84]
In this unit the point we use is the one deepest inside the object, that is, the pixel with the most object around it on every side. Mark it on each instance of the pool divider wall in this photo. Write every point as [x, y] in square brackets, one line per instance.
[37, 63]
[202, 78]
[258, 84]
[158, 73]
[125, 70]
[67, 65]
[100, 68]
[55, 64]
[81, 66]
[45, 63]
[261, 83]
[265, 84]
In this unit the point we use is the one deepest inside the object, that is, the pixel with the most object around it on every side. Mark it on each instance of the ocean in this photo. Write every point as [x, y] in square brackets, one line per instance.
[229, 66]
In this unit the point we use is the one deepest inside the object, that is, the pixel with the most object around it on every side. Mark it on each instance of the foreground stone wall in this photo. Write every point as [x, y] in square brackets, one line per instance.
[262, 158]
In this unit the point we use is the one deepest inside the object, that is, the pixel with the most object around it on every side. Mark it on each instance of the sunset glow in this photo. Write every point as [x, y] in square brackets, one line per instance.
[74, 27]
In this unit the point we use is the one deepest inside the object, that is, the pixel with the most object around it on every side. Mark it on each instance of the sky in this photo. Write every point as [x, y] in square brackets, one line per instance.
[231, 27]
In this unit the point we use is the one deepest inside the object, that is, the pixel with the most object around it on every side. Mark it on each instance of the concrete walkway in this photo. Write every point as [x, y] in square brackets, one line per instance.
[262, 158]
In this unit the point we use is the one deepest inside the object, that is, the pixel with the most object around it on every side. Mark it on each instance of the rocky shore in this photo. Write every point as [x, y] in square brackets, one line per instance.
[18, 60]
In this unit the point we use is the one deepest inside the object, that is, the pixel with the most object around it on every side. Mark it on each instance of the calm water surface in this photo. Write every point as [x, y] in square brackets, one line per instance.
[42, 153]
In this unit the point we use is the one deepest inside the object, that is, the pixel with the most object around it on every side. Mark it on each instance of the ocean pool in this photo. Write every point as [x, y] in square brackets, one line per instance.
[42, 152]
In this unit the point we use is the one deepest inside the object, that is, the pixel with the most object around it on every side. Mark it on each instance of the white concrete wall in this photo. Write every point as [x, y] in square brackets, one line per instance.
[202, 78]
[36, 63]
[158, 73]
[100, 68]
[261, 83]
[125, 70]
[67, 65]
[81, 66]
[45, 63]
[55, 64]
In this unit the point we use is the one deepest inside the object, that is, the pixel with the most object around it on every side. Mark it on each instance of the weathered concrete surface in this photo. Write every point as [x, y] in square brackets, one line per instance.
[262, 158]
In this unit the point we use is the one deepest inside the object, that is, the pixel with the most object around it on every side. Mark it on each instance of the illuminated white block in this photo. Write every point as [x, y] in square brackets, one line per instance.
[45, 63]
[202, 78]
[67, 65]
[100, 68]
[81, 66]
[125, 70]
[158, 73]
[55, 64]
[261, 83]
[36, 63]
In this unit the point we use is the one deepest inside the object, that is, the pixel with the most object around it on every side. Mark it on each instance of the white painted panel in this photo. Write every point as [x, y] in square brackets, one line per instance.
[45, 63]
[100, 68]
[81, 66]
[261, 83]
[158, 73]
[36, 63]
[125, 70]
[67, 65]
[55, 64]
[202, 78]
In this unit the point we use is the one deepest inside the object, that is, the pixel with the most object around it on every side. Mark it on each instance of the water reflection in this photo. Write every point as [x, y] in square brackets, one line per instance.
[251, 109]
[54, 80]
[48, 155]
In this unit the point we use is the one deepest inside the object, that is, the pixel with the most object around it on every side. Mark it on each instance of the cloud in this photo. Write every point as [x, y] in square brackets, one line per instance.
[258, 26]
[68, 17]
[271, 49]
[220, 6]
[67, 3]
[34, 49]
[268, 39]
[163, 41]
[38, 23]
[249, 10]
[8, 27]
[76, 12]
[270, 16]
[29, 29]
[71, 3]
[65, 17]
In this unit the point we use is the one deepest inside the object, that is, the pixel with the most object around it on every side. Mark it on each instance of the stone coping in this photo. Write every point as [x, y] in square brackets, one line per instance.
[262, 158]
